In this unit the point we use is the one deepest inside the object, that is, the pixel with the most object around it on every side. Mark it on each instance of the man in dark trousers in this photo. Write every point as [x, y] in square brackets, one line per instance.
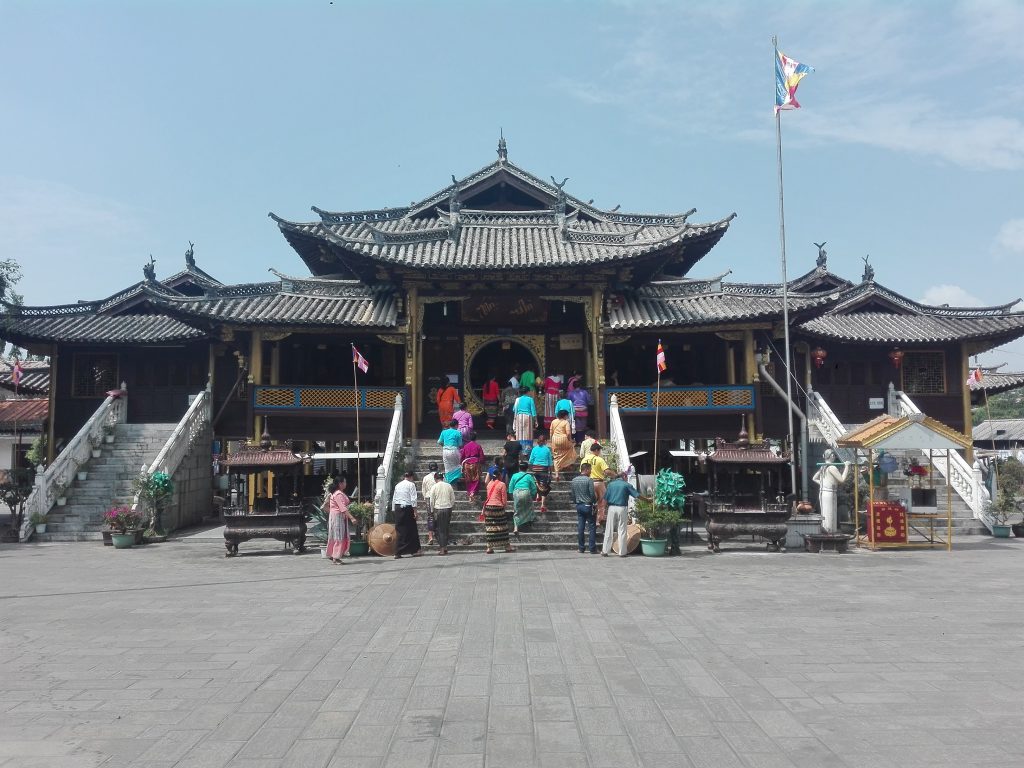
[405, 500]
[581, 490]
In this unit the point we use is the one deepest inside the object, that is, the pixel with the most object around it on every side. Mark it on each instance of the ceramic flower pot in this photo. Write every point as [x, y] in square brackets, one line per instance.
[96, 453]
[108, 439]
[358, 548]
[41, 528]
[123, 540]
[653, 547]
[82, 476]
[62, 500]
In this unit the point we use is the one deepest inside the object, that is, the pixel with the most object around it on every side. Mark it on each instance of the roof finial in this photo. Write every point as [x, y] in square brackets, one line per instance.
[149, 270]
[822, 255]
[869, 271]
[502, 149]
[190, 255]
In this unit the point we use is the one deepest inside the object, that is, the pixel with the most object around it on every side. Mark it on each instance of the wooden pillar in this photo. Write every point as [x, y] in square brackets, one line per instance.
[413, 346]
[255, 378]
[597, 353]
[965, 371]
[730, 364]
[750, 375]
[52, 408]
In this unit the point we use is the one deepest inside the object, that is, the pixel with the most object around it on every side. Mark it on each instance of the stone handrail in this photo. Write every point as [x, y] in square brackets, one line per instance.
[181, 440]
[385, 472]
[962, 478]
[821, 415]
[50, 483]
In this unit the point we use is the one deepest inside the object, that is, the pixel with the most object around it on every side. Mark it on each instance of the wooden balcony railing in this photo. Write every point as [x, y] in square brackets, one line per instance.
[724, 398]
[268, 399]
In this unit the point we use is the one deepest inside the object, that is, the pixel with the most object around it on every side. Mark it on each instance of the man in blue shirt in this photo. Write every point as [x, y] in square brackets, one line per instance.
[581, 489]
[616, 496]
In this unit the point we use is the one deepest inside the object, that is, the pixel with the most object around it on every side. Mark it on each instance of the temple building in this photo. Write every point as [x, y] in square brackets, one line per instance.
[499, 272]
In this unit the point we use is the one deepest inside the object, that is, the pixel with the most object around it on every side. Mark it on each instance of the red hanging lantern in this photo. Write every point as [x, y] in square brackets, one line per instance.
[818, 355]
[896, 356]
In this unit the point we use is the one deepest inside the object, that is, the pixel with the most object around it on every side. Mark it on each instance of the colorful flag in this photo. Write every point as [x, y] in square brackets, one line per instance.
[662, 365]
[359, 360]
[974, 381]
[788, 74]
[17, 372]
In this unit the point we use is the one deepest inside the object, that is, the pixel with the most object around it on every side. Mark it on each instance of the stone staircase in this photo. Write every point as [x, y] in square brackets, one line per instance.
[556, 529]
[964, 522]
[110, 481]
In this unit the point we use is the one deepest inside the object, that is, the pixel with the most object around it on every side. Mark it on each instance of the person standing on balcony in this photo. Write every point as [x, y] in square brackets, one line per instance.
[405, 500]
[447, 397]
[451, 444]
[581, 403]
[525, 418]
[491, 392]
[337, 522]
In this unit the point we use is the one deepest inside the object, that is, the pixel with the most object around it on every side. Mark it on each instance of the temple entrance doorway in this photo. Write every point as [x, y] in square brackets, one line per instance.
[501, 358]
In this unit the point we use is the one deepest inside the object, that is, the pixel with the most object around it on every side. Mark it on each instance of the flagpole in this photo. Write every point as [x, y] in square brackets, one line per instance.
[359, 468]
[657, 410]
[785, 288]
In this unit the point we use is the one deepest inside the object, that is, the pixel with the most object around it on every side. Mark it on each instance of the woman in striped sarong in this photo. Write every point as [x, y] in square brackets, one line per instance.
[495, 516]
[451, 451]
[525, 415]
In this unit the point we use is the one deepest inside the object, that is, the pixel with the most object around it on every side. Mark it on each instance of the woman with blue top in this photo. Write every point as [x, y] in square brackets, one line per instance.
[451, 451]
[540, 462]
[523, 489]
[525, 418]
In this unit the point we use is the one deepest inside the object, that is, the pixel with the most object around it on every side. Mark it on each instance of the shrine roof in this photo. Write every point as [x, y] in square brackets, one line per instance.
[915, 431]
[754, 453]
[27, 415]
[291, 301]
[260, 458]
[907, 329]
[1002, 430]
[500, 218]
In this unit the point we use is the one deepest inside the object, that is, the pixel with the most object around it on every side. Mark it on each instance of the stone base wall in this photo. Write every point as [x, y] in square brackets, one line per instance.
[193, 487]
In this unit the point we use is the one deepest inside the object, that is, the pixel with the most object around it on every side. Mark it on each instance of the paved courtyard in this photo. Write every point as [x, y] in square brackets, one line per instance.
[171, 655]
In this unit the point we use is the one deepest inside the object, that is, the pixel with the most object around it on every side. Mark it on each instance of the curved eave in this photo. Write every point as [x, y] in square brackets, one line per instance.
[878, 328]
[90, 328]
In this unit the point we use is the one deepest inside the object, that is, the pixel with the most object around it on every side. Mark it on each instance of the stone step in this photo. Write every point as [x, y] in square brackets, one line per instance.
[67, 536]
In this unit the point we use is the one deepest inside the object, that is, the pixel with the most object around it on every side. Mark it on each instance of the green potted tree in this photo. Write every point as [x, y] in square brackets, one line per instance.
[363, 512]
[155, 490]
[656, 521]
[38, 519]
[999, 512]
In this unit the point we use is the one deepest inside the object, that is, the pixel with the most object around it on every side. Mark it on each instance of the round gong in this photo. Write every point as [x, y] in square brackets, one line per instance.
[633, 532]
[383, 539]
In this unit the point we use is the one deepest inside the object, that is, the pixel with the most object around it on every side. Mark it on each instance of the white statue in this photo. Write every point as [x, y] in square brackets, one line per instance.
[829, 478]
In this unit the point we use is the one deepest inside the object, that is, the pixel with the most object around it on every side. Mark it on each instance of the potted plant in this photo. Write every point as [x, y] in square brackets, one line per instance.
[108, 433]
[81, 474]
[122, 520]
[363, 512]
[95, 441]
[155, 490]
[657, 521]
[14, 492]
[38, 519]
[60, 490]
[999, 512]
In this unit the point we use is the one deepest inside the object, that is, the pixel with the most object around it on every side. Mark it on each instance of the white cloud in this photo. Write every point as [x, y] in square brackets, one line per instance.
[953, 295]
[1010, 238]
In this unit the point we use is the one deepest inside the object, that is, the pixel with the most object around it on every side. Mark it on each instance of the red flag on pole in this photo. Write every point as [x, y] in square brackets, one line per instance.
[662, 365]
[359, 360]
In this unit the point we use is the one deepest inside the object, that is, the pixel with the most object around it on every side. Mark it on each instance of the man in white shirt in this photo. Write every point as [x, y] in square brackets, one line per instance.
[405, 500]
[425, 485]
[442, 499]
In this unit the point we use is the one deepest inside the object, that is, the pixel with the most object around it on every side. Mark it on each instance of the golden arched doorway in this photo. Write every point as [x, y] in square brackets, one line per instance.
[488, 355]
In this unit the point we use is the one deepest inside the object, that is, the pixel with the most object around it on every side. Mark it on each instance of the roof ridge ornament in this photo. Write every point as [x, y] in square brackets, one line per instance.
[149, 270]
[454, 206]
[822, 261]
[560, 202]
[502, 147]
[190, 255]
[869, 271]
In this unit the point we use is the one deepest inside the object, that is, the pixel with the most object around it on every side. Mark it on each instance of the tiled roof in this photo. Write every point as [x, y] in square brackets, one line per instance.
[690, 303]
[293, 301]
[883, 432]
[494, 240]
[755, 453]
[994, 382]
[26, 415]
[907, 329]
[1001, 430]
[35, 379]
[83, 324]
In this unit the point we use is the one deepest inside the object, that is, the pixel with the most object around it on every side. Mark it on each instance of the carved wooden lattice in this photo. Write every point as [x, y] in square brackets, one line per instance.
[274, 397]
[632, 399]
[732, 397]
[327, 398]
[380, 398]
[682, 399]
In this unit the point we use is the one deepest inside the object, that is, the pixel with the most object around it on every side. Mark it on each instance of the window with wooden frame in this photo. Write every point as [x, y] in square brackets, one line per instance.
[924, 373]
[93, 375]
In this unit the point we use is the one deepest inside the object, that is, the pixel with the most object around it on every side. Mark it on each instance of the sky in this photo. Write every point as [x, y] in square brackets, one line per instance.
[132, 128]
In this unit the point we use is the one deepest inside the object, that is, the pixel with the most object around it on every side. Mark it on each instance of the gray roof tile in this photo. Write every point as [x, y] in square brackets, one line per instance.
[906, 329]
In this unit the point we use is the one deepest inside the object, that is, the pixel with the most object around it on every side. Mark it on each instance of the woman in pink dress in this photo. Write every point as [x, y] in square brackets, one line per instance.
[472, 464]
[552, 385]
[337, 522]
